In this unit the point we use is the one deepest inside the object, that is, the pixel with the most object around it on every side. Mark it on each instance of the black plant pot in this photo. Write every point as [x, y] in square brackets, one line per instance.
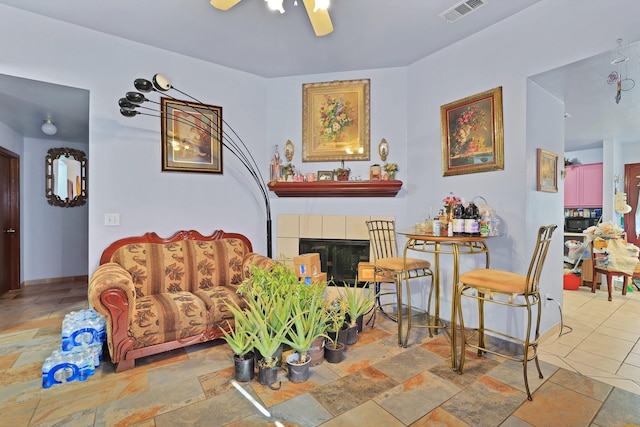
[297, 372]
[359, 322]
[277, 355]
[268, 376]
[334, 354]
[342, 335]
[352, 335]
[244, 367]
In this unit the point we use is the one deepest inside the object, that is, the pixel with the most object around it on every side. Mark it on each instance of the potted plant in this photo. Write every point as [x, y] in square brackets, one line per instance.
[308, 323]
[358, 301]
[240, 339]
[335, 311]
[391, 169]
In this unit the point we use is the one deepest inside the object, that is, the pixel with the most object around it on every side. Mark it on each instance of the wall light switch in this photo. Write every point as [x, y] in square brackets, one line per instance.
[112, 219]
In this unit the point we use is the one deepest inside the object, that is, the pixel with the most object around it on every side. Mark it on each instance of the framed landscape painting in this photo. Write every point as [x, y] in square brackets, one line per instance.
[335, 121]
[547, 171]
[191, 136]
[472, 134]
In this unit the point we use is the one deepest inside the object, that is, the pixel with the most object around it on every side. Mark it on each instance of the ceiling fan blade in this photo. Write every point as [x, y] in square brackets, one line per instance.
[224, 4]
[320, 20]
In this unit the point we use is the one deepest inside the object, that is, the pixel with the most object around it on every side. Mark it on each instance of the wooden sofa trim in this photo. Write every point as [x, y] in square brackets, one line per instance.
[152, 237]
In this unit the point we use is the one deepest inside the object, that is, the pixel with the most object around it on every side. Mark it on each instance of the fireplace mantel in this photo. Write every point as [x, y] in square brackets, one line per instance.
[336, 188]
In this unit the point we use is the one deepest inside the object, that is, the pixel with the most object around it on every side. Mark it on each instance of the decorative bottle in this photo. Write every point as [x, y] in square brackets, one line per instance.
[458, 220]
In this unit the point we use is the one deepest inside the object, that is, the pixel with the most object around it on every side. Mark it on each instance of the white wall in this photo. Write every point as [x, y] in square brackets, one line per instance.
[56, 239]
[125, 176]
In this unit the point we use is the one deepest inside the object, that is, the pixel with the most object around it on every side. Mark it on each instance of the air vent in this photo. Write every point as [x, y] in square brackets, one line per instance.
[461, 9]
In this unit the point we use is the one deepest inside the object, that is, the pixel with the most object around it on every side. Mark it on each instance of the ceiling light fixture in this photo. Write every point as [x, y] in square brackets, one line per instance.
[49, 127]
[275, 5]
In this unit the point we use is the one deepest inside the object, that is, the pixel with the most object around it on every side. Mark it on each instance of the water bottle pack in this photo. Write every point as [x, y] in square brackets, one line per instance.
[83, 335]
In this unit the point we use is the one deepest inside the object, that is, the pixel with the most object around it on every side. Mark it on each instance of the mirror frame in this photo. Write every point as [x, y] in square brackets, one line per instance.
[54, 199]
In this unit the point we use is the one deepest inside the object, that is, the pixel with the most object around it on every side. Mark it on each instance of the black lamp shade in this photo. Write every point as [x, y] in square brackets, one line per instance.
[135, 97]
[143, 85]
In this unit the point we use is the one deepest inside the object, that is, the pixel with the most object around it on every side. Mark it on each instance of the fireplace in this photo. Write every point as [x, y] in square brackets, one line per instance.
[339, 258]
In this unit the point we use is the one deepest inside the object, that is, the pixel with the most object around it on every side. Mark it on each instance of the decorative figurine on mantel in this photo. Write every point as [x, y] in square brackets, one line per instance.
[342, 173]
[374, 173]
[275, 168]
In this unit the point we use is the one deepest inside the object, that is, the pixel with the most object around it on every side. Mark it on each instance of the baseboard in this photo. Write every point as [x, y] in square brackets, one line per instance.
[50, 280]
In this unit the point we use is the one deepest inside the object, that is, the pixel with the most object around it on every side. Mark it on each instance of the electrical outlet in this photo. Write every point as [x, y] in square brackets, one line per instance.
[111, 219]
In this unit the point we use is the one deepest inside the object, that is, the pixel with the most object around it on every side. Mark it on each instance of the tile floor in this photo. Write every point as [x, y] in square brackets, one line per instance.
[592, 377]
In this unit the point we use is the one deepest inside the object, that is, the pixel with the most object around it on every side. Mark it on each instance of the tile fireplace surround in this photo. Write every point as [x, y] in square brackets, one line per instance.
[292, 228]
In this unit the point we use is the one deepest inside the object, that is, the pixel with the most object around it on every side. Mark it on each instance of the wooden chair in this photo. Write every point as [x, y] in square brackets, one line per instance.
[513, 290]
[389, 267]
[610, 273]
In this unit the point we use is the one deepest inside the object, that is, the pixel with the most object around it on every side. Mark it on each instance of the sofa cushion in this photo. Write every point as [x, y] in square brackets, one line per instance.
[214, 299]
[186, 265]
[166, 317]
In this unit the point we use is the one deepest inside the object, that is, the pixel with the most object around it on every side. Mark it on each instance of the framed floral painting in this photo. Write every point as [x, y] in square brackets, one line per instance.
[472, 134]
[191, 136]
[547, 171]
[335, 121]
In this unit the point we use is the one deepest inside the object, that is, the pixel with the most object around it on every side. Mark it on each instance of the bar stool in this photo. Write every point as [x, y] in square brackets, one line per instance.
[518, 291]
[389, 267]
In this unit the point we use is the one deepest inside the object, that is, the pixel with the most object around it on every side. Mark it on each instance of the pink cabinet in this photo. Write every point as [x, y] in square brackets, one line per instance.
[583, 186]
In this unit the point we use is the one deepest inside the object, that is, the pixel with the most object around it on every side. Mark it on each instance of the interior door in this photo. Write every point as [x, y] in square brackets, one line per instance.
[632, 188]
[9, 221]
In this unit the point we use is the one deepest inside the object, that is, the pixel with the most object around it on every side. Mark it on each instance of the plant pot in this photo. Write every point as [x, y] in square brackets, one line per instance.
[277, 355]
[342, 335]
[352, 335]
[316, 352]
[297, 372]
[268, 376]
[359, 322]
[244, 367]
[334, 354]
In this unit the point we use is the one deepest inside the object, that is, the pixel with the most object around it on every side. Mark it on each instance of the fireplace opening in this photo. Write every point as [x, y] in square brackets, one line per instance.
[339, 258]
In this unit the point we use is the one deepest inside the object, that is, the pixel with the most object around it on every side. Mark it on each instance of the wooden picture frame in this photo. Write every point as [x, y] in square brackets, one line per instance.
[335, 121]
[472, 134]
[547, 177]
[191, 136]
[325, 175]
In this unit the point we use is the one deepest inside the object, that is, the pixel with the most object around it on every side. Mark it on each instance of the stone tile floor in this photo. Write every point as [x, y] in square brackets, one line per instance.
[378, 383]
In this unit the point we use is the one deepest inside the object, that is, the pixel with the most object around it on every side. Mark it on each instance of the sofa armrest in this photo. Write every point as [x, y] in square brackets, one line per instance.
[252, 259]
[112, 293]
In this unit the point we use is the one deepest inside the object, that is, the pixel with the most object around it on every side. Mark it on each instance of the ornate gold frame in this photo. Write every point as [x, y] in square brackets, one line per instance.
[335, 121]
[472, 134]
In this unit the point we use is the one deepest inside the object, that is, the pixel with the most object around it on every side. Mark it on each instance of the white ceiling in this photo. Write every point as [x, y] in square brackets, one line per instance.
[368, 34]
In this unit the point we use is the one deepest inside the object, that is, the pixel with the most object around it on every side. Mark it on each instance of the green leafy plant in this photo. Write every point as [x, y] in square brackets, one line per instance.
[309, 322]
[241, 337]
[359, 301]
[336, 313]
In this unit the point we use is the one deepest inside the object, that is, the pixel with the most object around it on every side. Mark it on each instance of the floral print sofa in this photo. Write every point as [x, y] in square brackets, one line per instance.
[160, 294]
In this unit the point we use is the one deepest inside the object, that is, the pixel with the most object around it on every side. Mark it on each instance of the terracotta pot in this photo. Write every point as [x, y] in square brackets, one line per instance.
[316, 352]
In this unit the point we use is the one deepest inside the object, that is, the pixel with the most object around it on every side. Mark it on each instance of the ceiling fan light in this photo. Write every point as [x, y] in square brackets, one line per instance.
[275, 5]
[49, 127]
[321, 5]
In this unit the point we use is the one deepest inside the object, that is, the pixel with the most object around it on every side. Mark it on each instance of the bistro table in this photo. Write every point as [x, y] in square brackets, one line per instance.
[418, 240]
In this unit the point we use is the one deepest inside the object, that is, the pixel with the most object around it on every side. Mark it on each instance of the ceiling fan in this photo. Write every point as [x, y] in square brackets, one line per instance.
[318, 14]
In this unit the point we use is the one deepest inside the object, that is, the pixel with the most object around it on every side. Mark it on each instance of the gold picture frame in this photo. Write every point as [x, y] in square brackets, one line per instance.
[191, 136]
[472, 134]
[335, 121]
[547, 176]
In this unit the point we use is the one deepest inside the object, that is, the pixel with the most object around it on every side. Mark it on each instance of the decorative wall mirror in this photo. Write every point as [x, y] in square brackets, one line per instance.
[66, 177]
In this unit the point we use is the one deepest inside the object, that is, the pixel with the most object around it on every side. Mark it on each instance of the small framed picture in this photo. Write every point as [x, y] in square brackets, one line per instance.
[547, 171]
[325, 175]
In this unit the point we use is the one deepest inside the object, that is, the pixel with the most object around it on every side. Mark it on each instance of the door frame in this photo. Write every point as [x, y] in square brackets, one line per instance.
[631, 187]
[14, 215]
